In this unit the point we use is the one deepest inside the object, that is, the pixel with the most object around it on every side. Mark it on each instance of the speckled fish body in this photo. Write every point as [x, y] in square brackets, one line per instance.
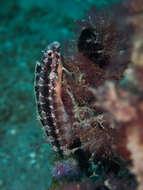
[48, 95]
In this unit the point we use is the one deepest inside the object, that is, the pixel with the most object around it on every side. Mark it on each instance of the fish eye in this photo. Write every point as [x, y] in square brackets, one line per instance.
[49, 53]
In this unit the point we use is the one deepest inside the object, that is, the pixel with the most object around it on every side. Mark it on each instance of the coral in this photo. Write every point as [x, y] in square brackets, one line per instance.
[127, 110]
[125, 102]
[72, 119]
[102, 53]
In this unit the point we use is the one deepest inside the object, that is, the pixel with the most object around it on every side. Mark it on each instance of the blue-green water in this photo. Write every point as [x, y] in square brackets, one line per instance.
[26, 27]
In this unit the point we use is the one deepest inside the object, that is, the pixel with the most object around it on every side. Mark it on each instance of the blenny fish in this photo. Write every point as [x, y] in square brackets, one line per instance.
[48, 76]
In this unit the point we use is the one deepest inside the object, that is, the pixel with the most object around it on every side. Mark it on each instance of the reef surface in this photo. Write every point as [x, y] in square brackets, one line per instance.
[26, 160]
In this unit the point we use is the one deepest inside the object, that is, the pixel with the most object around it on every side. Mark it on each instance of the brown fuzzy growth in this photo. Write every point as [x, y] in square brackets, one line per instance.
[102, 53]
[125, 102]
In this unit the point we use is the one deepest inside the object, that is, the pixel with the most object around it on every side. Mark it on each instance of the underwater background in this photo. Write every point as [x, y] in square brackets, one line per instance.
[26, 27]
